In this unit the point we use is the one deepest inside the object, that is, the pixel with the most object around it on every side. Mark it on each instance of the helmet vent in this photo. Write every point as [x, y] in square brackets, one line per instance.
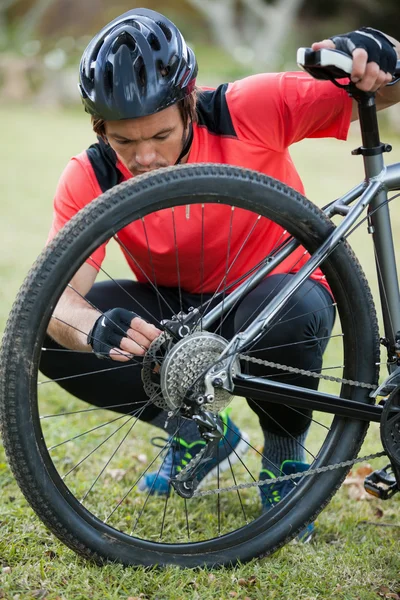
[108, 76]
[154, 43]
[164, 70]
[166, 30]
[141, 71]
[124, 39]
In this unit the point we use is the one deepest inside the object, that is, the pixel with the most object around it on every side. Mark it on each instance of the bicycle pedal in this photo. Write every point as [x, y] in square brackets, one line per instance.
[381, 483]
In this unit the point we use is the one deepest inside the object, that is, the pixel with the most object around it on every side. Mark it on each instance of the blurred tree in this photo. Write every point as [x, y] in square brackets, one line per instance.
[242, 28]
[374, 13]
[14, 32]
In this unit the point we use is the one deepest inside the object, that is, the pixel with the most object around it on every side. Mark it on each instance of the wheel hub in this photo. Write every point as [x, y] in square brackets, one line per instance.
[181, 370]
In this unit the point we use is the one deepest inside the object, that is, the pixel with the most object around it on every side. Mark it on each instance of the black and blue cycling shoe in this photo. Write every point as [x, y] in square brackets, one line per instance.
[231, 447]
[272, 493]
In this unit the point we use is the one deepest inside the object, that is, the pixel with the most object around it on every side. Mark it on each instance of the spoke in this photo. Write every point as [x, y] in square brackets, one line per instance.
[167, 448]
[85, 374]
[345, 238]
[88, 431]
[241, 278]
[86, 333]
[178, 273]
[149, 281]
[104, 441]
[288, 434]
[311, 312]
[278, 245]
[280, 320]
[235, 483]
[167, 496]
[245, 466]
[253, 448]
[75, 412]
[152, 267]
[111, 457]
[369, 215]
[102, 314]
[290, 344]
[305, 252]
[227, 268]
[187, 518]
[136, 482]
[43, 349]
[218, 496]
[202, 265]
[309, 418]
[288, 405]
[121, 287]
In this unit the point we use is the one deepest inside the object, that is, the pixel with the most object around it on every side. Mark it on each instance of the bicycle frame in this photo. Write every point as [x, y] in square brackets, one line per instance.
[370, 195]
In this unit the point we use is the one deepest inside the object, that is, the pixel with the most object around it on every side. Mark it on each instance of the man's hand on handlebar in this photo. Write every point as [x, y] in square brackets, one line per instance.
[374, 56]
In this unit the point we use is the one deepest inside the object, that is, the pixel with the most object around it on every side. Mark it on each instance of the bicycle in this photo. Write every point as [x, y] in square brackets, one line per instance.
[192, 372]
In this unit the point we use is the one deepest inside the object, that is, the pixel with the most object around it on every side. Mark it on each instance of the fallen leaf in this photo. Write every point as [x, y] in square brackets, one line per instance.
[117, 474]
[357, 492]
[364, 470]
[379, 513]
[355, 483]
[247, 582]
[232, 594]
[384, 592]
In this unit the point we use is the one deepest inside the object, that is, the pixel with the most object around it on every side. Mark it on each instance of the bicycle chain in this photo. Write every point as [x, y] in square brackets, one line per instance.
[347, 463]
[242, 486]
[267, 363]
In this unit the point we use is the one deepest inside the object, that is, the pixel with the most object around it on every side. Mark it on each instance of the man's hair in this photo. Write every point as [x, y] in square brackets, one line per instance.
[187, 108]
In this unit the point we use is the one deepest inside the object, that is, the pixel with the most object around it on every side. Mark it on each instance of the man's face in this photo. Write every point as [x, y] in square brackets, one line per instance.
[148, 143]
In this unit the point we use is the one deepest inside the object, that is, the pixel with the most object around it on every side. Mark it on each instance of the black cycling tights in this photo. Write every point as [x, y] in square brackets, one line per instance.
[299, 341]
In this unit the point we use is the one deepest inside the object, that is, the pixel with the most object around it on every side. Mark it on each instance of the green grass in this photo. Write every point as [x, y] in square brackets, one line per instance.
[354, 555]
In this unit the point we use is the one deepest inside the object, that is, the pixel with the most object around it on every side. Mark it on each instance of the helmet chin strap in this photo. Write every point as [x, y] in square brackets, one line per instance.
[186, 145]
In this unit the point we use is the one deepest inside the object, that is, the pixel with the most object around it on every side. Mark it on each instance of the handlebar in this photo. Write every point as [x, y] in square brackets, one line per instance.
[329, 64]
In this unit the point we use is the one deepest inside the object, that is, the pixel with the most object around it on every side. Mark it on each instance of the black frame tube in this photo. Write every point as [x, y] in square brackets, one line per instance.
[273, 391]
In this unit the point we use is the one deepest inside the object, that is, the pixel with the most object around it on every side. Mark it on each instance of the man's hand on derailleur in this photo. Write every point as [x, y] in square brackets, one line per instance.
[120, 334]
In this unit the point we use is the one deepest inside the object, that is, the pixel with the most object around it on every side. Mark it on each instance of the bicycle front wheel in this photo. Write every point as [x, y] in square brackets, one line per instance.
[80, 467]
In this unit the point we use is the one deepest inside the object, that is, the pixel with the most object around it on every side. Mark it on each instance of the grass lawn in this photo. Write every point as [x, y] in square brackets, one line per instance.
[355, 552]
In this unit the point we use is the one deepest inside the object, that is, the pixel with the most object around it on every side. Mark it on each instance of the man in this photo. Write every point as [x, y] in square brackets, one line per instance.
[137, 80]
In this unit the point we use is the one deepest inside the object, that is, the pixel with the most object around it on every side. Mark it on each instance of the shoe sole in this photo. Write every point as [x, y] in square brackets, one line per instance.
[230, 460]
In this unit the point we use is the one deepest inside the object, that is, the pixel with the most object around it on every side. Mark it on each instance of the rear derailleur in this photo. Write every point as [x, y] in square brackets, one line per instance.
[211, 429]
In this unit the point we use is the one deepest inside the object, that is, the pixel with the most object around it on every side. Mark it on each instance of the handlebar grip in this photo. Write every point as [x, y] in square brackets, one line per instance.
[325, 63]
[329, 64]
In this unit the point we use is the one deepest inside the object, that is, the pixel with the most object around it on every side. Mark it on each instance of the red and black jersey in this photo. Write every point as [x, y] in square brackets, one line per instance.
[250, 123]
